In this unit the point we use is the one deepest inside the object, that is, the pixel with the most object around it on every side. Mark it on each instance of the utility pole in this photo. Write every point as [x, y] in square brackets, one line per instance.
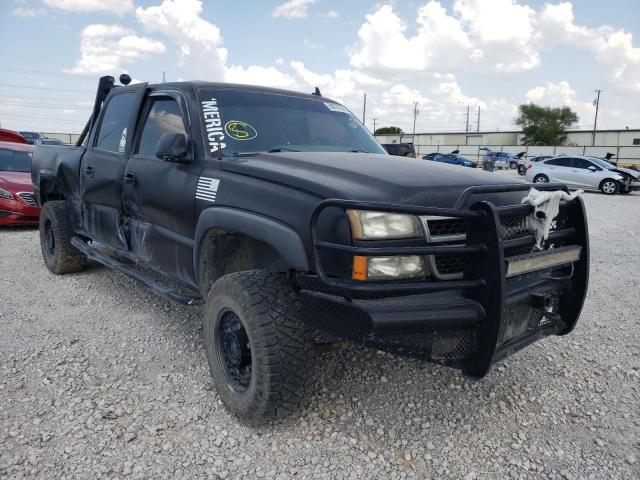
[415, 113]
[467, 128]
[364, 108]
[163, 77]
[374, 125]
[478, 128]
[595, 120]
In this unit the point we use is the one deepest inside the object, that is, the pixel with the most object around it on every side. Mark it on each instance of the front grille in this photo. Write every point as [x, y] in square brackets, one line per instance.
[449, 264]
[513, 226]
[445, 231]
[28, 198]
[445, 227]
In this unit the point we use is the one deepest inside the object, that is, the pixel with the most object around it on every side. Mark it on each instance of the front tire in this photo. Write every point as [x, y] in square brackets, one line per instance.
[541, 179]
[260, 354]
[55, 239]
[609, 186]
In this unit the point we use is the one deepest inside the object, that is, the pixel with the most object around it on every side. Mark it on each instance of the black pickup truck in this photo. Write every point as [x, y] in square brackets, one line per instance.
[282, 215]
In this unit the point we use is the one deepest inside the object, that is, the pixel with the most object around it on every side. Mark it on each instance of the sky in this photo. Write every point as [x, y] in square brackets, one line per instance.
[485, 55]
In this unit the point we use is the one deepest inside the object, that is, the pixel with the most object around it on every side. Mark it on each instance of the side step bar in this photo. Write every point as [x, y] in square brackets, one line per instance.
[157, 287]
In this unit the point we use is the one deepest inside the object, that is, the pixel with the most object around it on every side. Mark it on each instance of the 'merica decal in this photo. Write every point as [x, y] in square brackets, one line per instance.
[213, 125]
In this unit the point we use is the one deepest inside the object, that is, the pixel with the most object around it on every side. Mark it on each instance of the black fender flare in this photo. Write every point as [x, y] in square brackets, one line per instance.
[281, 237]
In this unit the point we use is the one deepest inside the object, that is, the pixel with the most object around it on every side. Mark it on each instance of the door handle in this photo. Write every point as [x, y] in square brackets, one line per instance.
[89, 170]
[130, 179]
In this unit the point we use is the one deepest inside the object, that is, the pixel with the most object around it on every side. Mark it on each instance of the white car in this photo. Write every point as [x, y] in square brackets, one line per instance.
[588, 173]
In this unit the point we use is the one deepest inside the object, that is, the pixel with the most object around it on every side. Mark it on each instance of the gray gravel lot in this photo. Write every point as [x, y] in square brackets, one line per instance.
[99, 378]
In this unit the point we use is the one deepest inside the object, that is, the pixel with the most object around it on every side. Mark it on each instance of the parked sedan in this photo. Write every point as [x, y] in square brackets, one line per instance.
[588, 173]
[17, 205]
[48, 141]
[522, 166]
[450, 158]
[31, 136]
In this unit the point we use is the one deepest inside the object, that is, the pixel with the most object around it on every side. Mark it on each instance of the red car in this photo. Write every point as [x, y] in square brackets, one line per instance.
[17, 205]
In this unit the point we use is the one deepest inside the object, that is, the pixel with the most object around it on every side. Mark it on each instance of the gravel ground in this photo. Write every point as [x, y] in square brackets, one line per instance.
[101, 379]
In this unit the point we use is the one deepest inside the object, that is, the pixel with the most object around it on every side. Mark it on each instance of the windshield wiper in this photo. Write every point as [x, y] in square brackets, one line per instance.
[281, 149]
[357, 150]
[271, 150]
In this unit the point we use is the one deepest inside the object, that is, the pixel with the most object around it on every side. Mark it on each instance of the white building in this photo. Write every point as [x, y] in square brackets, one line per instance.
[625, 144]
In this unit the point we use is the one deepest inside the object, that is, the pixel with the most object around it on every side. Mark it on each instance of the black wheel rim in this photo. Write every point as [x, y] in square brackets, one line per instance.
[50, 242]
[234, 351]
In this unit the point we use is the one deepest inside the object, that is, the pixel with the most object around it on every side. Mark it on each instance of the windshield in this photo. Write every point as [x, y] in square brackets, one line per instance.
[30, 135]
[601, 163]
[244, 122]
[14, 160]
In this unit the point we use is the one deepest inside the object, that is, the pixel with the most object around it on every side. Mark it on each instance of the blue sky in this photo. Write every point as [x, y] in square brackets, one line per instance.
[447, 55]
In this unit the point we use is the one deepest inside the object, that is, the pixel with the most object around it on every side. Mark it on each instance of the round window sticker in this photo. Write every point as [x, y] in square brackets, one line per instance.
[239, 130]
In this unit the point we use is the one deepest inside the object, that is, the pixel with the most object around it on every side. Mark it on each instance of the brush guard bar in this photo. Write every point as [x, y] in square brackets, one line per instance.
[492, 284]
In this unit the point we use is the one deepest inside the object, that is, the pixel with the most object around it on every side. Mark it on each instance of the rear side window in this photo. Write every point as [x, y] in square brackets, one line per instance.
[164, 117]
[582, 163]
[112, 135]
[559, 162]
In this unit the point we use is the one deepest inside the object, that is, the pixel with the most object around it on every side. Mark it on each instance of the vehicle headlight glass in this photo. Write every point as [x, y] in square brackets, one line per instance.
[5, 194]
[388, 268]
[369, 225]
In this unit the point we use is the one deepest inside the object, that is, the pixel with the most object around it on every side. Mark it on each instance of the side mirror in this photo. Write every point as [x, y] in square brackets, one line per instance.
[592, 168]
[172, 147]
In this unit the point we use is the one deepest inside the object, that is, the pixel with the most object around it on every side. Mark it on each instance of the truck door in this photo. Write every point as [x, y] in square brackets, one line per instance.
[159, 195]
[103, 164]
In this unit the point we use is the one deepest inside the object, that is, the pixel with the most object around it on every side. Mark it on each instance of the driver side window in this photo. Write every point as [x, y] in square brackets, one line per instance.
[164, 116]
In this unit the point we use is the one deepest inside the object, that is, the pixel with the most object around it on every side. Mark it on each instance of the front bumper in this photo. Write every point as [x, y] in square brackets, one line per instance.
[506, 298]
[631, 187]
[18, 212]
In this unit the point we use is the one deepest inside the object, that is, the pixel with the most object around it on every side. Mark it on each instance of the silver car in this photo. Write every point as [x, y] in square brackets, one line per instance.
[588, 173]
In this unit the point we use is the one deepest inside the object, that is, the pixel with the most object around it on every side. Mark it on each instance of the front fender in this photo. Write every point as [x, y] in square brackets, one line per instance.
[279, 236]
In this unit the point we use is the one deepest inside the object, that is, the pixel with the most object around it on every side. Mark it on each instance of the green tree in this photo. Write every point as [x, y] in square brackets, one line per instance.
[545, 125]
[388, 131]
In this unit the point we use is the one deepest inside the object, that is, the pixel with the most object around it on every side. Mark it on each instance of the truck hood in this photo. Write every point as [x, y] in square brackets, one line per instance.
[369, 177]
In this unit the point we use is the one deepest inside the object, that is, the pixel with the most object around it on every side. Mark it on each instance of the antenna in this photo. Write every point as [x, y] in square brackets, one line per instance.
[317, 92]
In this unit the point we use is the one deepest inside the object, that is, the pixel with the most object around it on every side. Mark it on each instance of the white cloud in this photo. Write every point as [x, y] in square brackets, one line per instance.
[257, 75]
[344, 85]
[439, 44]
[118, 7]
[561, 94]
[106, 48]
[499, 36]
[311, 44]
[28, 12]
[293, 9]
[502, 31]
[329, 14]
[612, 47]
[199, 41]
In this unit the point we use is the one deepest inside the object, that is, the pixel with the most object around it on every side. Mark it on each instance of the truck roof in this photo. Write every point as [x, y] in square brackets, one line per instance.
[238, 86]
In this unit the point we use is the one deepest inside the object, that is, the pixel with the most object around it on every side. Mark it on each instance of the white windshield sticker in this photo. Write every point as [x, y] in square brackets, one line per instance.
[213, 125]
[336, 107]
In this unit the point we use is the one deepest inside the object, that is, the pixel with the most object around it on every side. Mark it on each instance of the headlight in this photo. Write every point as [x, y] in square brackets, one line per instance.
[368, 225]
[388, 268]
[5, 194]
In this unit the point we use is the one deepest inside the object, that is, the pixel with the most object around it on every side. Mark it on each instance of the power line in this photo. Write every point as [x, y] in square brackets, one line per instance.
[36, 117]
[43, 88]
[28, 71]
[58, 107]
